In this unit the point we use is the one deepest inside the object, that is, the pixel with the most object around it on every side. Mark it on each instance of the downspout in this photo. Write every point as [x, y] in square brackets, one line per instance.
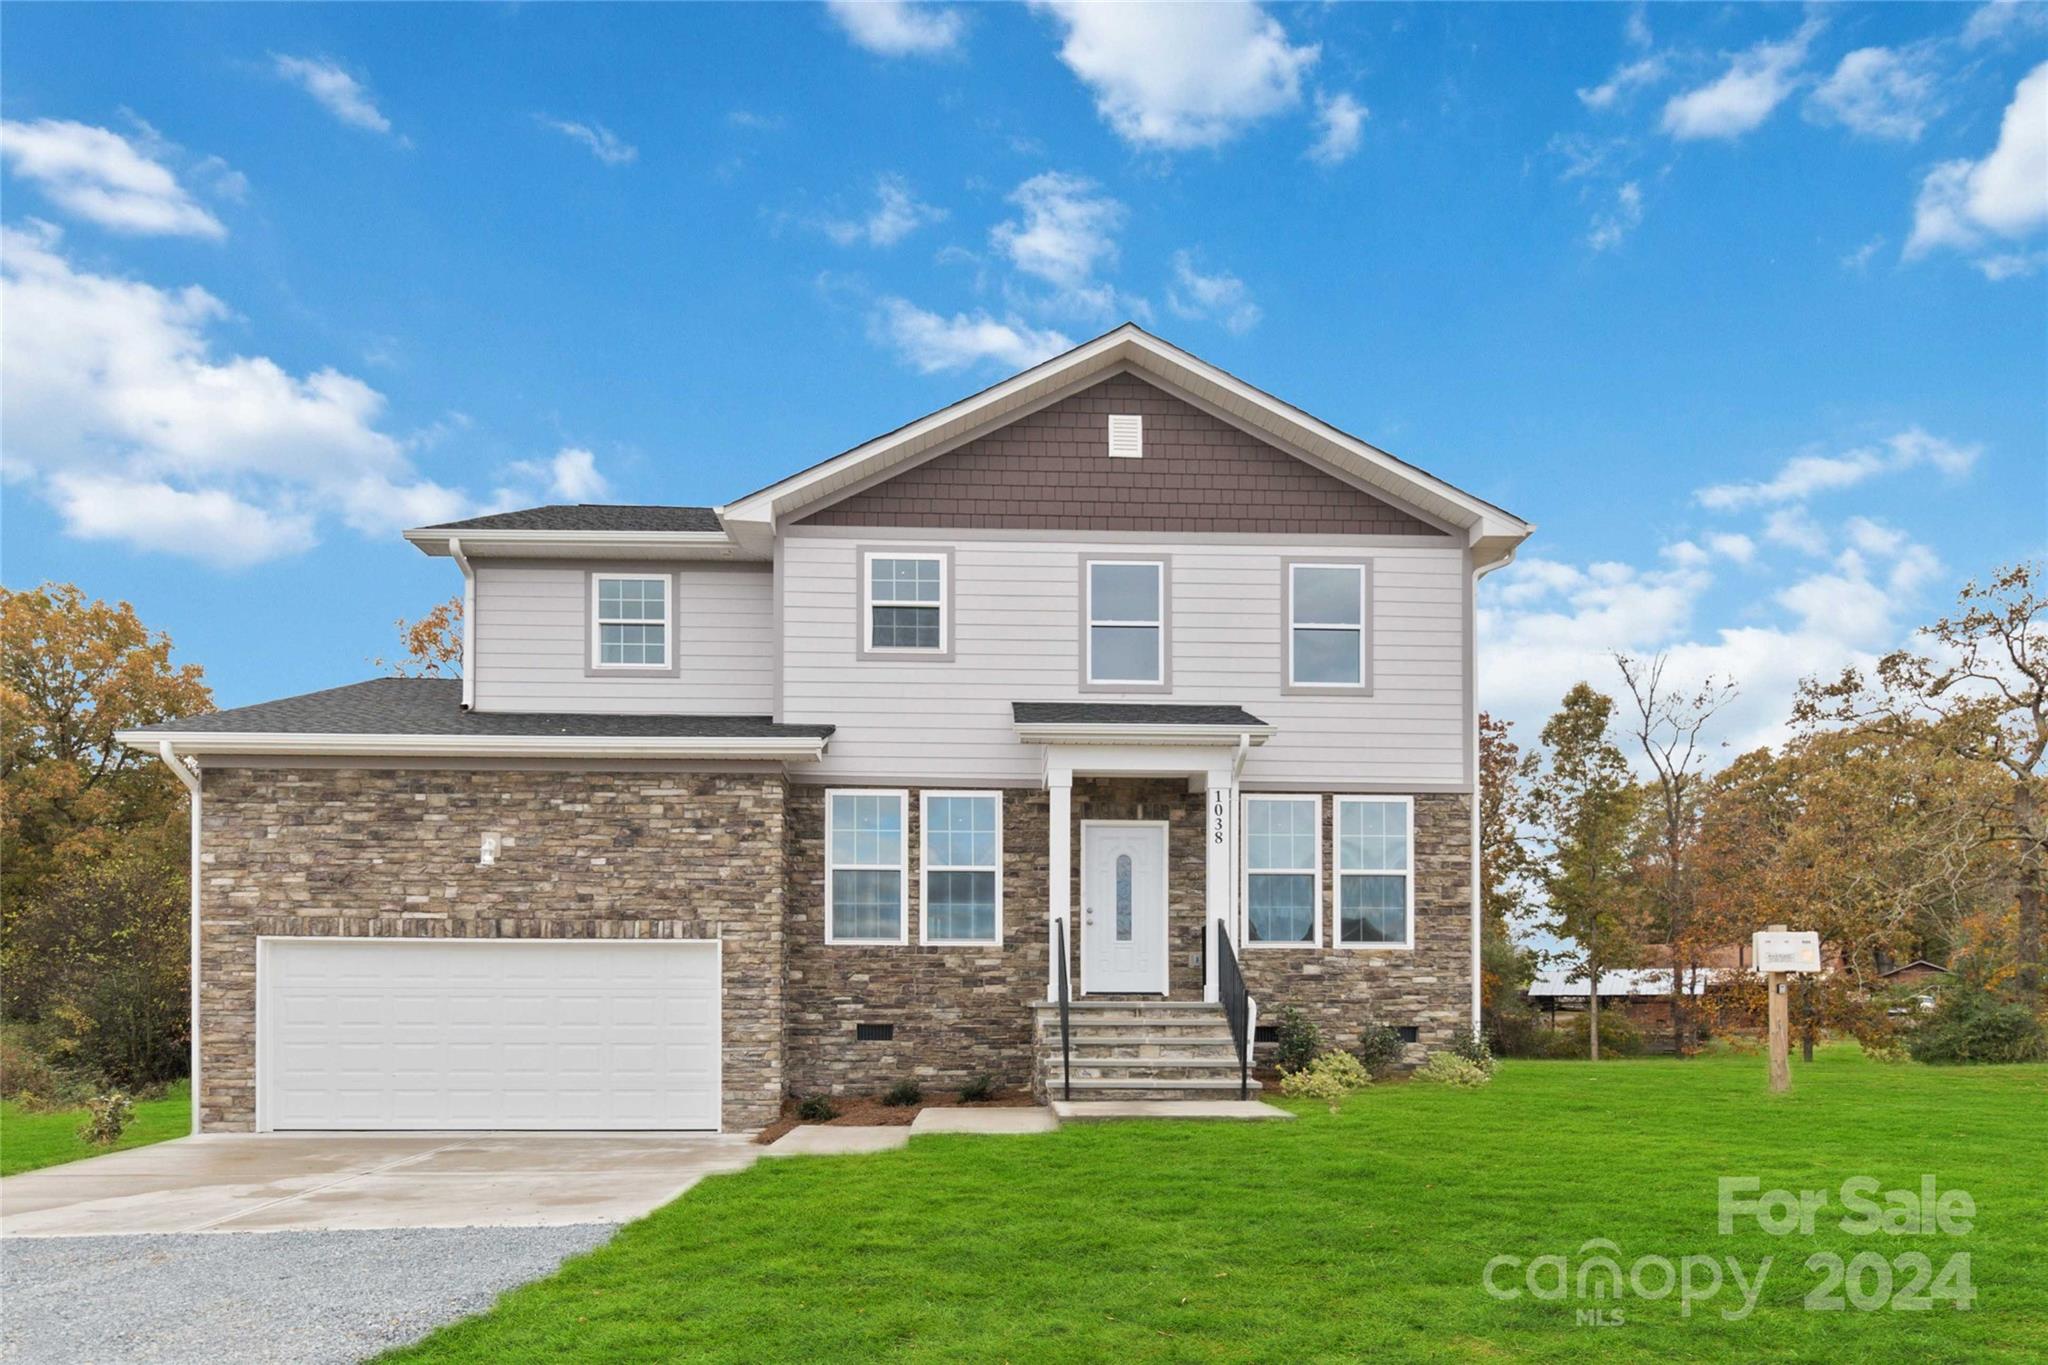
[1479, 571]
[468, 620]
[190, 777]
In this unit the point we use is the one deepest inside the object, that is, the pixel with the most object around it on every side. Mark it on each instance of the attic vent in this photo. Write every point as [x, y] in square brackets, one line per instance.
[1126, 438]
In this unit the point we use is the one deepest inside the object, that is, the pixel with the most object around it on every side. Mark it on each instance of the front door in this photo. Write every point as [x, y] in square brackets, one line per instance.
[1123, 907]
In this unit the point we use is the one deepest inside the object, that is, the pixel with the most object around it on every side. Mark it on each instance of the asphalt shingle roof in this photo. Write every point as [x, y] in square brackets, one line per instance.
[433, 706]
[1128, 713]
[591, 516]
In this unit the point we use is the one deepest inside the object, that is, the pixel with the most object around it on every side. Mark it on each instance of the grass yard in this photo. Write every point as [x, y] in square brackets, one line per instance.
[28, 1141]
[1333, 1238]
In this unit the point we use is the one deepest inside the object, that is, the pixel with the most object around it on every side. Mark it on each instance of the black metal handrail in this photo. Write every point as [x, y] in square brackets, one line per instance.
[1059, 944]
[1237, 1007]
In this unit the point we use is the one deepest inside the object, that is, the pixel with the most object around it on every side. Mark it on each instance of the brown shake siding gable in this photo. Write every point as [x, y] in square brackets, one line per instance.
[1051, 470]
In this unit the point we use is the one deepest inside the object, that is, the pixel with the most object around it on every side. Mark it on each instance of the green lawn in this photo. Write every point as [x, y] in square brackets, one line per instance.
[1330, 1238]
[28, 1141]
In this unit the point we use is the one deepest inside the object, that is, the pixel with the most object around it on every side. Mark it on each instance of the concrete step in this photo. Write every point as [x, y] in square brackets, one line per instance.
[1150, 1047]
[1153, 1068]
[1172, 1026]
[1192, 1088]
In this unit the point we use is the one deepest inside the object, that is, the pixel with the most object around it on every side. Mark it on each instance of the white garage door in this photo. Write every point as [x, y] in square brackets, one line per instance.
[410, 1033]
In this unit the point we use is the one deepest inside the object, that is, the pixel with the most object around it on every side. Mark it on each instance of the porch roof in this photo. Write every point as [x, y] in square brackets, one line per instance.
[1083, 722]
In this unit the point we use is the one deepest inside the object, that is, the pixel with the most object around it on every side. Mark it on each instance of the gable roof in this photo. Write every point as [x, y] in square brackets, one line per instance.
[1493, 531]
[591, 516]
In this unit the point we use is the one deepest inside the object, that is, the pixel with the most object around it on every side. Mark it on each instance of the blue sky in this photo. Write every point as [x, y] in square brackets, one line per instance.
[1744, 305]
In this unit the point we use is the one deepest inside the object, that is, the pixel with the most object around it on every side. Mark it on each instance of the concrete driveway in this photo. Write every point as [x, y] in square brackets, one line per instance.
[313, 1182]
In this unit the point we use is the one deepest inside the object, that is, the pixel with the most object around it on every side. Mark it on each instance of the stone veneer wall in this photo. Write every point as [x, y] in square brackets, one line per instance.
[393, 854]
[1429, 987]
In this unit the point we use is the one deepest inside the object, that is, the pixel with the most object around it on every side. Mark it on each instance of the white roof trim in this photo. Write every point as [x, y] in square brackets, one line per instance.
[1132, 346]
[789, 748]
[530, 544]
[1074, 732]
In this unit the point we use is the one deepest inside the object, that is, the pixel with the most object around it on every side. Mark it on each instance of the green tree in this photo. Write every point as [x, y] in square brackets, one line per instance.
[1504, 868]
[1584, 804]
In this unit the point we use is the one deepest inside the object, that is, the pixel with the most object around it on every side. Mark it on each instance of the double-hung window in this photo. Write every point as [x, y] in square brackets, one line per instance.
[1326, 623]
[1126, 630]
[1375, 901]
[905, 610]
[961, 867]
[866, 870]
[1283, 838]
[631, 621]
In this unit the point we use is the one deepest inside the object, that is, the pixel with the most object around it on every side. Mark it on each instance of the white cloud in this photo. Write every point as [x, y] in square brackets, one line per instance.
[1742, 97]
[118, 410]
[603, 143]
[2005, 194]
[895, 28]
[1732, 545]
[1065, 232]
[1221, 295]
[1342, 120]
[1861, 257]
[341, 94]
[2003, 19]
[2011, 265]
[897, 214]
[571, 476]
[1804, 476]
[104, 178]
[1795, 527]
[1627, 77]
[1560, 623]
[932, 344]
[1877, 92]
[1181, 76]
[1614, 225]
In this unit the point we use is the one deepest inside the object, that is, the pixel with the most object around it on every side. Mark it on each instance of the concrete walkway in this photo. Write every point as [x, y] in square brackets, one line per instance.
[304, 1181]
[1090, 1111]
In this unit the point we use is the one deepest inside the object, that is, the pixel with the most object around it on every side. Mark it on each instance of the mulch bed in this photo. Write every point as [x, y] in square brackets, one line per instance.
[867, 1112]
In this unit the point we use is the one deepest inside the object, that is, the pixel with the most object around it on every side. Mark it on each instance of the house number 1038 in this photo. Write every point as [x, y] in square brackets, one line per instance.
[1216, 810]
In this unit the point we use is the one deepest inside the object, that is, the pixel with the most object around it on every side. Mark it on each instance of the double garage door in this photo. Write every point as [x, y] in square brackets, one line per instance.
[486, 1034]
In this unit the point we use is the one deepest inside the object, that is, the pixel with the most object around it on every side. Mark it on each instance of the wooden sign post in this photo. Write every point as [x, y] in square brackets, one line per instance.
[1779, 955]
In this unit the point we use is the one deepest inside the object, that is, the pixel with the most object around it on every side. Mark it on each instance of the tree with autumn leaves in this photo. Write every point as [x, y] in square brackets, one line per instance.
[92, 834]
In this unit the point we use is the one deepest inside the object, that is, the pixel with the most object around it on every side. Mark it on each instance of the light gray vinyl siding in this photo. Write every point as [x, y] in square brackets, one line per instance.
[1016, 638]
[532, 643]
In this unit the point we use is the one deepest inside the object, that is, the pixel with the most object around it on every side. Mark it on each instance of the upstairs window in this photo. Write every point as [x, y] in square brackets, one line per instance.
[1326, 626]
[906, 603]
[963, 847]
[631, 621]
[865, 870]
[1126, 623]
[1283, 837]
[1375, 872]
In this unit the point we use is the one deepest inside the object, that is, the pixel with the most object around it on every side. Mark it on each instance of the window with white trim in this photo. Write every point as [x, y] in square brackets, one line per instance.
[961, 867]
[1126, 621]
[631, 621]
[1375, 901]
[1326, 625]
[1283, 838]
[906, 602]
[865, 866]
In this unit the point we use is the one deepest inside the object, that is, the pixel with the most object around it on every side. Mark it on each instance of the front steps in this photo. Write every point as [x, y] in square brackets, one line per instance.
[1133, 1050]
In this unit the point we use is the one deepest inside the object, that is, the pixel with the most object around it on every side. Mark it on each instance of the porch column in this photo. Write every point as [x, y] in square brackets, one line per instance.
[1059, 789]
[1220, 841]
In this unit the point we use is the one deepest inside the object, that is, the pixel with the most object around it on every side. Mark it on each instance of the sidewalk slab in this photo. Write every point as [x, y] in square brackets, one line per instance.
[825, 1140]
[984, 1121]
[1088, 1111]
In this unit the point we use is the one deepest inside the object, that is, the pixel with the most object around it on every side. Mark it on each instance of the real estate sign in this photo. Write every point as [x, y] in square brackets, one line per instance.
[1778, 951]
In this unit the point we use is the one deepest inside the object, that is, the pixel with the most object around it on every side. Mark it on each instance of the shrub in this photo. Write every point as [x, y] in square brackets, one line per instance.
[903, 1094]
[1518, 1033]
[1470, 1043]
[1618, 1037]
[1970, 1024]
[978, 1089]
[1448, 1068]
[1379, 1047]
[32, 1080]
[106, 1116]
[817, 1109]
[1329, 1078]
[1300, 1042]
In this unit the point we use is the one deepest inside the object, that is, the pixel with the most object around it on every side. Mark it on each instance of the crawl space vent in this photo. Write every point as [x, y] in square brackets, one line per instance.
[874, 1033]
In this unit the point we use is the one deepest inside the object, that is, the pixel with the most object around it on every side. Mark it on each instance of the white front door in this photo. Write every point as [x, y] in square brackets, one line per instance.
[1123, 907]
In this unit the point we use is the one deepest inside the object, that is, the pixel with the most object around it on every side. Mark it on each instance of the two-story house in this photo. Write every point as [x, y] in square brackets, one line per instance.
[1120, 681]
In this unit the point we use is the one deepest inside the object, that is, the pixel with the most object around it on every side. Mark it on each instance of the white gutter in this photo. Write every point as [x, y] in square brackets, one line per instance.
[786, 748]
[468, 621]
[1062, 732]
[191, 780]
[580, 544]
